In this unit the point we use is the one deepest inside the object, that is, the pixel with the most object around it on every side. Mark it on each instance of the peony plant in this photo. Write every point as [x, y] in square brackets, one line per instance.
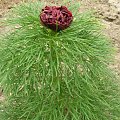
[54, 65]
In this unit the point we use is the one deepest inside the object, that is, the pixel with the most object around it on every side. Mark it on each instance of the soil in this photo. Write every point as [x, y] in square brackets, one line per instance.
[108, 11]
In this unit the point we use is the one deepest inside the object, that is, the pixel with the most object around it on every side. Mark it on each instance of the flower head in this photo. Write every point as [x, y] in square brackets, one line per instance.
[56, 18]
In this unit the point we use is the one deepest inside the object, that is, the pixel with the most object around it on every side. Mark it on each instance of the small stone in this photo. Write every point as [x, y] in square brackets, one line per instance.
[10, 7]
[111, 17]
[118, 22]
[17, 26]
[1, 16]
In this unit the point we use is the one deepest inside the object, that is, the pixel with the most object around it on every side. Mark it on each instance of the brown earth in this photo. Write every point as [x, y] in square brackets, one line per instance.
[108, 11]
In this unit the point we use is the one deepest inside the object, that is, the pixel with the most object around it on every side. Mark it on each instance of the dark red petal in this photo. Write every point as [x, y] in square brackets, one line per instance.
[55, 17]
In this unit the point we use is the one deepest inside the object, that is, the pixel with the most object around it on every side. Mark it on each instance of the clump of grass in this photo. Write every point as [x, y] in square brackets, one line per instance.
[56, 76]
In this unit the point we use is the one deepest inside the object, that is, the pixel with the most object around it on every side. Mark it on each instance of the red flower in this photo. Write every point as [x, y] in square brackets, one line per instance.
[56, 18]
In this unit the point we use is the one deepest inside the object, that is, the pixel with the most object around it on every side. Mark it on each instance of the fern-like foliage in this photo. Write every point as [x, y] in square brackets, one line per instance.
[56, 76]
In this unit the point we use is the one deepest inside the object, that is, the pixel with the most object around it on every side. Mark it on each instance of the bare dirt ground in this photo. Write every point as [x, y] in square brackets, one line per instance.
[108, 11]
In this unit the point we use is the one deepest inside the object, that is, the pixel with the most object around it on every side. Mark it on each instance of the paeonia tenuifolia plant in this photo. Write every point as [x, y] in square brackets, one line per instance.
[54, 65]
